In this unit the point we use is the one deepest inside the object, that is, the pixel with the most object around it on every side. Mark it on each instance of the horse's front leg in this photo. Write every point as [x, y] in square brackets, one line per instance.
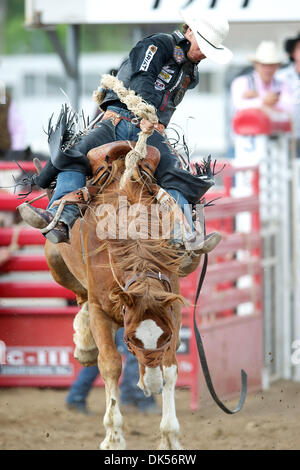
[110, 367]
[169, 426]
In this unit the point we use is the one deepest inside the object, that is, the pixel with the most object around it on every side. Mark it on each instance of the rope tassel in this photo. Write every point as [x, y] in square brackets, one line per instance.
[134, 103]
[137, 153]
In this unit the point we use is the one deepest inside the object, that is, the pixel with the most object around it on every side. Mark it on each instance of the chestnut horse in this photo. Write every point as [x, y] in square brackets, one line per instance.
[124, 277]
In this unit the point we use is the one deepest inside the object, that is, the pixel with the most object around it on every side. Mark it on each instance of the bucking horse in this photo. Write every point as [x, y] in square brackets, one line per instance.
[125, 273]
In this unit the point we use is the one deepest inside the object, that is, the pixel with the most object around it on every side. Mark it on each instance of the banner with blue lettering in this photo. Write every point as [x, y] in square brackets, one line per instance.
[43, 12]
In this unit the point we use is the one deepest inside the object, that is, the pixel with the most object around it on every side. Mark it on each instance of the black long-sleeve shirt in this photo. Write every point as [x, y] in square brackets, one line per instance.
[158, 70]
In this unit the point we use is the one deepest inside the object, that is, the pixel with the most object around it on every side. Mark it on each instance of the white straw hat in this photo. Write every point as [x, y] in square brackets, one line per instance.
[210, 30]
[266, 53]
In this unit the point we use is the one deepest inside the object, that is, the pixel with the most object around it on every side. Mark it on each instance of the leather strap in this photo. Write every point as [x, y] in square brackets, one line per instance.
[109, 114]
[203, 360]
[80, 196]
[82, 242]
[159, 276]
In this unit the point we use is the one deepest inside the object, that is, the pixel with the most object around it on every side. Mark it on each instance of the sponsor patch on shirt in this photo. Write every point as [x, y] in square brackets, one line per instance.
[159, 85]
[178, 54]
[166, 75]
[148, 57]
[179, 34]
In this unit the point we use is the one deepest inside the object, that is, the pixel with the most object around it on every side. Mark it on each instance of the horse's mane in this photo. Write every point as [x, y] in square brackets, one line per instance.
[141, 255]
[144, 253]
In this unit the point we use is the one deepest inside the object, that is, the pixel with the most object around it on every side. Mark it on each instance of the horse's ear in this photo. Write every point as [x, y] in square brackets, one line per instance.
[171, 298]
[126, 299]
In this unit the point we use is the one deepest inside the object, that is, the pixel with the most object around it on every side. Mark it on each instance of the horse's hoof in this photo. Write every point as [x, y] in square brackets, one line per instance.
[113, 444]
[169, 442]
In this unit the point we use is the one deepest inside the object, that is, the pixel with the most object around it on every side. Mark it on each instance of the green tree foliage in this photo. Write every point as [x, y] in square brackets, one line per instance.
[19, 40]
[106, 38]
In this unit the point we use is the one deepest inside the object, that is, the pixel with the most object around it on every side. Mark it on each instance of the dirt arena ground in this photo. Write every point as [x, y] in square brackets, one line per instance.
[37, 419]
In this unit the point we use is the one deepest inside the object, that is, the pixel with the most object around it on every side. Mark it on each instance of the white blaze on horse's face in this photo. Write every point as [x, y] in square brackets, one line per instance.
[148, 332]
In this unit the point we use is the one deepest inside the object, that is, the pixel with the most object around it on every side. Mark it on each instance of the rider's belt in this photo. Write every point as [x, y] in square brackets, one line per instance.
[116, 118]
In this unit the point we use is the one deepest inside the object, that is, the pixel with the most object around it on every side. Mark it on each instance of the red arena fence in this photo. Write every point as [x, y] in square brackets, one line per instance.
[36, 345]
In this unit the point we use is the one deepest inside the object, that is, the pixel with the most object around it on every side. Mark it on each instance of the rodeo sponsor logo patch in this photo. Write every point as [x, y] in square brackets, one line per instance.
[178, 54]
[179, 34]
[159, 85]
[148, 57]
[166, 75]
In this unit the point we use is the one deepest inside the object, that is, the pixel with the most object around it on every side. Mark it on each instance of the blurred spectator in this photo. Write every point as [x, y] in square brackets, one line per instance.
[132, 398]
[12, 134]
[260, 89]
[291, 76]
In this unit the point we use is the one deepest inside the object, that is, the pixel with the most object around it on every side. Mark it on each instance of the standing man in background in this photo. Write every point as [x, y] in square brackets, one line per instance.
[260, 88]
[290, 75]
[12, 134]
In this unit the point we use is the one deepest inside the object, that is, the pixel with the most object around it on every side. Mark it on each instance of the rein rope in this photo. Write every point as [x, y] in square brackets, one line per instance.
[203, 360]
[139, 108]
[113, 271]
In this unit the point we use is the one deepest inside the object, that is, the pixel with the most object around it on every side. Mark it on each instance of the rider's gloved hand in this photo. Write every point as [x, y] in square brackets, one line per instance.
[25, 184]
[147, 126]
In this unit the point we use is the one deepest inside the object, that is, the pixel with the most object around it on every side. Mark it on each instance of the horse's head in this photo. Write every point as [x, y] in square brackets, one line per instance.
[149, 325]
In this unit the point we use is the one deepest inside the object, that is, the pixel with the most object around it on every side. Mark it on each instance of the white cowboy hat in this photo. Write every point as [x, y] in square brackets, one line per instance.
[210, 30]
[266, 53]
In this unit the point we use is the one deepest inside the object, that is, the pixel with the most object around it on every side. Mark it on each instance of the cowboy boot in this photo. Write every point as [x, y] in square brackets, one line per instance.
[189, 254]
[191, 258]
[40, 219]
[210, 242]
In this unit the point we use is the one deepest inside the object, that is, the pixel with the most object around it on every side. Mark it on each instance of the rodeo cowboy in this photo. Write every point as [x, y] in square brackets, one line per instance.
[160, 69]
